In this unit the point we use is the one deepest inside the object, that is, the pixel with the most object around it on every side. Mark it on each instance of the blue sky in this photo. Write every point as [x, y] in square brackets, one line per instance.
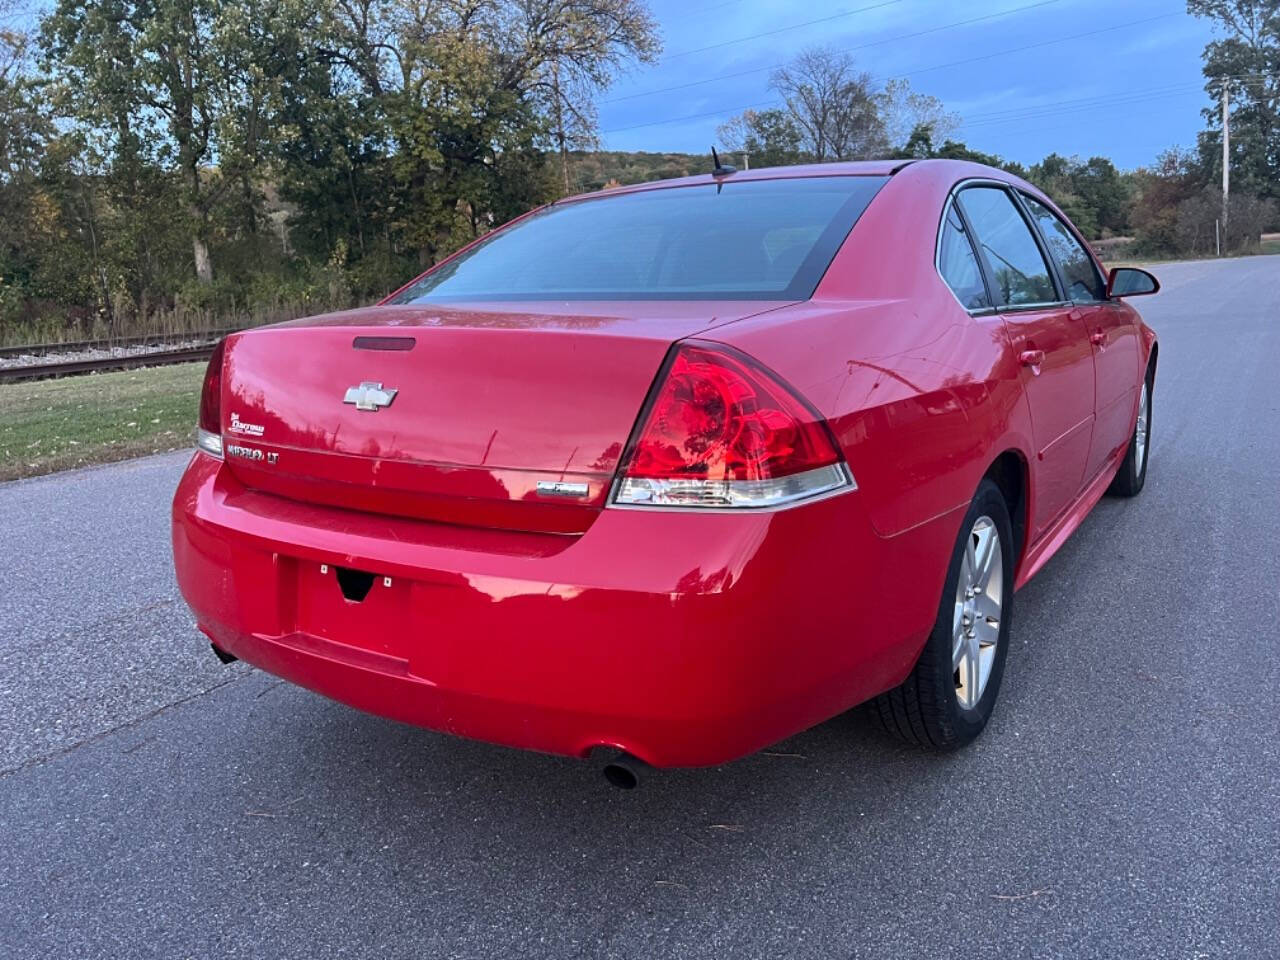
[1032, 84]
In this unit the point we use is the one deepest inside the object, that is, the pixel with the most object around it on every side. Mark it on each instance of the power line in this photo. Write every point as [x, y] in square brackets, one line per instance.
[771, 33]
[1092, 100]
[1046, 110]
[942, 66]
[861, 46]
[1042, 112]
[1042, 43]
[695, 116]
[1085, 104]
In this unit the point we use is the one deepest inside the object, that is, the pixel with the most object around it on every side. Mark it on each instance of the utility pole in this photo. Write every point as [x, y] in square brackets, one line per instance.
[1226, 153]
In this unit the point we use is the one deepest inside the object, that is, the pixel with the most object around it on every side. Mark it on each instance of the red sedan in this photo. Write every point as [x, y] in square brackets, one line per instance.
[676, 470]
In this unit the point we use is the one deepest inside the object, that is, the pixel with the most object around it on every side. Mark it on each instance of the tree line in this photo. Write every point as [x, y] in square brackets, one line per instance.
[217, 155]
[180, 162]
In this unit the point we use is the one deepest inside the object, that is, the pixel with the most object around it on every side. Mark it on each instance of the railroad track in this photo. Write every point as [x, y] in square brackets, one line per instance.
[70, 368]
[80, 346]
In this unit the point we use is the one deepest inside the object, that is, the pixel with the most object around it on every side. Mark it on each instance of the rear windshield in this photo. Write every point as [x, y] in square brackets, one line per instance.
[749, 240]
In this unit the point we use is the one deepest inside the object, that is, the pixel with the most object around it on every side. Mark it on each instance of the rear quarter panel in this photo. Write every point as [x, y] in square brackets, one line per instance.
[922, 397]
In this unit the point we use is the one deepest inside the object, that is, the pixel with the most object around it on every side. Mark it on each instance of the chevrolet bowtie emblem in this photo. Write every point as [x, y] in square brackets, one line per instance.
[369, 396]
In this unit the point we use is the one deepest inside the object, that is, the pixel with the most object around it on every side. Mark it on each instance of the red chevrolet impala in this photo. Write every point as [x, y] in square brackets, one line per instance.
[676, 470]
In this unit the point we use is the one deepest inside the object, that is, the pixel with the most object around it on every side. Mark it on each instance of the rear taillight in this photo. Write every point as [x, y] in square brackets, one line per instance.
[209, 430]
[723, 431]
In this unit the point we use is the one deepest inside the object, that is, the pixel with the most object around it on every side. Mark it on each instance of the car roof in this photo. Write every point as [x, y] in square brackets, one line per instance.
[863, 168]
[958, 169]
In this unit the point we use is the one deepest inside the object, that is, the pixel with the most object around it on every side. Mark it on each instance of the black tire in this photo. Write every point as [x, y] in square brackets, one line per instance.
[926, 709]
[1132, 476]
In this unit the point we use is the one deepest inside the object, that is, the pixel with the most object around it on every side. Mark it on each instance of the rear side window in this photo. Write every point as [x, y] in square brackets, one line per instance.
[749, 240]
[958, 264]
[1079, 275]
[1018, 271]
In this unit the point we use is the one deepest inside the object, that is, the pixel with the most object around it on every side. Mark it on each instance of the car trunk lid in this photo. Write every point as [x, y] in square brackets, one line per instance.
[510, 416]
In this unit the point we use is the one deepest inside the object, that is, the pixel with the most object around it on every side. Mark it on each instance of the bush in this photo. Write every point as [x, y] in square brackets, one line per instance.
[1199, 223]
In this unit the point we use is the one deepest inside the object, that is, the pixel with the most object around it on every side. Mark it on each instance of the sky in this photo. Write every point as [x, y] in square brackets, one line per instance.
[1114, 78]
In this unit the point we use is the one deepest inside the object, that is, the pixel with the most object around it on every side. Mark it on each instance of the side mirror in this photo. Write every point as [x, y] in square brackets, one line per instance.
[1130, 282]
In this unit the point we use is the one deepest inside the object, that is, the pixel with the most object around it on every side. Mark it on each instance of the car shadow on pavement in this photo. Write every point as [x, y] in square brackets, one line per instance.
[376, 778]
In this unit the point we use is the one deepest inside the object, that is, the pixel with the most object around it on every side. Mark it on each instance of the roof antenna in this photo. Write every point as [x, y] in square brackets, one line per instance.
[721, 169]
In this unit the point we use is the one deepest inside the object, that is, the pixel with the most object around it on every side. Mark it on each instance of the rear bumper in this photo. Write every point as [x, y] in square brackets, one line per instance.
[685, 639]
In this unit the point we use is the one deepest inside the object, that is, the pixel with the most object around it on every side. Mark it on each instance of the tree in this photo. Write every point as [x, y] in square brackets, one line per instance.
[262, 48]
[905, 114]
[770, 138]
[145, 75]
[1056, 176]
[920, 147]
[579, 49]
[23, 125]
[159, 138]
[1091, 193]
[1158, 192]
[1102, 187]
[833, 104]
[24, 131]
[1247, 60]
[429, 108]
[832, 111]
[1199, 227]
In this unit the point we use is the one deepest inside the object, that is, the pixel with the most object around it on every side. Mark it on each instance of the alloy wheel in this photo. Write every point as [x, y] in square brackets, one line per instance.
[979, 607]
[1140, 432]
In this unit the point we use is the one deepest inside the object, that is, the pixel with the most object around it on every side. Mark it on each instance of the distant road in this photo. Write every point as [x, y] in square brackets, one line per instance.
[1123, 803]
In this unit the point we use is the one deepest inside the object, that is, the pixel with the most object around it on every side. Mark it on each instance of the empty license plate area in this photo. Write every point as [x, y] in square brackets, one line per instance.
[359, 608]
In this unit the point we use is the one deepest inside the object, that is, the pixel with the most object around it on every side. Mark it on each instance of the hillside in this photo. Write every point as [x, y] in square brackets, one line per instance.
[591, 171]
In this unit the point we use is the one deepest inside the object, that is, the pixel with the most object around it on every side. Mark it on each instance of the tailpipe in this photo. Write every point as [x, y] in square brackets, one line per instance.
[222, 654]
[623, 771]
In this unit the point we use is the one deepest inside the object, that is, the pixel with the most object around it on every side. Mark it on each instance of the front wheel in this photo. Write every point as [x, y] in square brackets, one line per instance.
[1132, 475]
[946, 700]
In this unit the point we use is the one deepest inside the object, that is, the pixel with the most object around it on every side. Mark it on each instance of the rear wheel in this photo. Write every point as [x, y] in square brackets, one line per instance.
[948, 697]
[1132, 475]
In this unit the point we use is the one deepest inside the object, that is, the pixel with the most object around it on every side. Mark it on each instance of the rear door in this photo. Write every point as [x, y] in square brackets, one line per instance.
[1049, 340]
[1112, 336]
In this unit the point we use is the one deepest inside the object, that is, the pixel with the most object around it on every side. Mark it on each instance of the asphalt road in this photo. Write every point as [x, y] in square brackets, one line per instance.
[1124, 802]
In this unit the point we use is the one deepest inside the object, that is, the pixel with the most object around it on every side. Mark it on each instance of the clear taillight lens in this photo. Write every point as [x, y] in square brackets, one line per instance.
[209, 429]
[723, 431]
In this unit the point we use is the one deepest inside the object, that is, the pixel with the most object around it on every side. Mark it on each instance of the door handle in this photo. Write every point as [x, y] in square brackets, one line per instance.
[1098, 337]
[1031, 358]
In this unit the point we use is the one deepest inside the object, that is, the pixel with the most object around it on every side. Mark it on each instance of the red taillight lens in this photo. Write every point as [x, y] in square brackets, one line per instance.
[724, 431]
[210, 421]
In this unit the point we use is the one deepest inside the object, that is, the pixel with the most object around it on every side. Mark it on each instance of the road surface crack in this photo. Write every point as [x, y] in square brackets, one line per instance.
[103, 734]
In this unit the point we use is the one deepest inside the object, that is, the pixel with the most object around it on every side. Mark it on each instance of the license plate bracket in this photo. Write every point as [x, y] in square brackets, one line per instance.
[354, 607]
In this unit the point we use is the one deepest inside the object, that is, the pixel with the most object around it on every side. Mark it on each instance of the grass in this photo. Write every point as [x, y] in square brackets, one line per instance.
[1266, 248]
[50, 425]
[1270, 244]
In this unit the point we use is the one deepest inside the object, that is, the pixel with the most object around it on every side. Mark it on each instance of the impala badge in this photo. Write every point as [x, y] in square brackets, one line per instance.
[253, 454]
[370, 396]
